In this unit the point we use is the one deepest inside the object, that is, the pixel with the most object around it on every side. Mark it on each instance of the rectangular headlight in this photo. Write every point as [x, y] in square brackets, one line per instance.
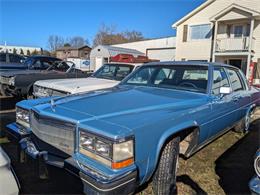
[23, 117]
[113, 154]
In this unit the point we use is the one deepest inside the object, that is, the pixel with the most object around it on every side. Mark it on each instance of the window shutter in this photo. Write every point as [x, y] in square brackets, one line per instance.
[185, 33]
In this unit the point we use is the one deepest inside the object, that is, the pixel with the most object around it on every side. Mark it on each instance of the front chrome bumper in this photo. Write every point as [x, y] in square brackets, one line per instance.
[254, 185]
[17, 132]
[31, 149]
[125, 184]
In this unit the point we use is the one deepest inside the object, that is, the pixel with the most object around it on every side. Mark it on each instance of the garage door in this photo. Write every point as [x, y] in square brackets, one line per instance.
[161, 54]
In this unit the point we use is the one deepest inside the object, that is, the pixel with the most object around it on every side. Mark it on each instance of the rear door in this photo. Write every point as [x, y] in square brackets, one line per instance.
[241, 94]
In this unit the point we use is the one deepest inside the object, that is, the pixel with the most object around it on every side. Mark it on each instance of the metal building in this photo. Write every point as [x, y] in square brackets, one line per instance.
[101, 54]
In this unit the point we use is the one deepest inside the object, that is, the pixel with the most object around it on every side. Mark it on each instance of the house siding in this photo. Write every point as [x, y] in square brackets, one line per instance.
[256, 44]
[201, 49]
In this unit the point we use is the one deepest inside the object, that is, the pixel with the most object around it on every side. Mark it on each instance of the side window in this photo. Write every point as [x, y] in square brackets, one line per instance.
[220, 79]
[235, 80]
[2, 57]
[15, 58]
[46, 64]
[37, 64]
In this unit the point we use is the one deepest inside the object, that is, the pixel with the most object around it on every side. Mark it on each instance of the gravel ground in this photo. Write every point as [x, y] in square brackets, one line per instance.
[223, 167]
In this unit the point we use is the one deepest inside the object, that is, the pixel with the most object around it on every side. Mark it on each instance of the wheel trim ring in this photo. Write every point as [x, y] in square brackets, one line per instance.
[247, 121]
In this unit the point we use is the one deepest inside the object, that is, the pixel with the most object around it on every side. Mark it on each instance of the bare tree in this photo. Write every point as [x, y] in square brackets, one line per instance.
[133, 36]
[54, 42]
[107, 35]
[77, 41]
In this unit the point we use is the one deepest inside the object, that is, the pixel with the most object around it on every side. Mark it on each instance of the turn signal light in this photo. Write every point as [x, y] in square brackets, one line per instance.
[122, 164]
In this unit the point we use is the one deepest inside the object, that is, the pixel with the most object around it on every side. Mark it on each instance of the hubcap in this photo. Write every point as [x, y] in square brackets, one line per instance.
[247, 121]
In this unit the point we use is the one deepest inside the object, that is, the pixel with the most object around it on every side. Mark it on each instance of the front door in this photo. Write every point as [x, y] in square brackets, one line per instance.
[236, 62]
[223, 107]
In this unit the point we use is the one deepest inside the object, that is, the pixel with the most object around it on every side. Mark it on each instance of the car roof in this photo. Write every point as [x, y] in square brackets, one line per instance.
[189, 63]
[38, 56]
[124, 63]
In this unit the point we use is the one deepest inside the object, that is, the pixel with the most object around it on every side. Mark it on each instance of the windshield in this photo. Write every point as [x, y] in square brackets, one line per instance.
[113, 71]
[182, 77]
[60, 66]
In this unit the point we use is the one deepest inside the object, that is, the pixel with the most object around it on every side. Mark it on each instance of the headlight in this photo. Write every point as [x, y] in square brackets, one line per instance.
[113, 154]
[257, 163]
[41, 91]
[23, 117]
[11, 81]
[35, 88]
[7, 80]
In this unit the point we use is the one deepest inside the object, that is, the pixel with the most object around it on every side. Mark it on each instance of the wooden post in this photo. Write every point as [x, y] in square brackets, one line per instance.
[250, 47]
[215, 40]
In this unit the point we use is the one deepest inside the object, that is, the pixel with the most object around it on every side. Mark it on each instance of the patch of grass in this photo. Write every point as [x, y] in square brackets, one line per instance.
[197, 174]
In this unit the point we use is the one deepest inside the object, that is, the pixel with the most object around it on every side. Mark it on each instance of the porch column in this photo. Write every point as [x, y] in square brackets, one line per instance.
[252, 24]
[214, 41]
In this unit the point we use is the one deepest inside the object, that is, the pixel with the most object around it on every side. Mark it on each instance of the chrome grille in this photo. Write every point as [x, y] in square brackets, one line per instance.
[4, 80]
[57, 133]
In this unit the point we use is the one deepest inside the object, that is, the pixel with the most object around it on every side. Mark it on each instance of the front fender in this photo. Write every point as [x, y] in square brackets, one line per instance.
[153, 159]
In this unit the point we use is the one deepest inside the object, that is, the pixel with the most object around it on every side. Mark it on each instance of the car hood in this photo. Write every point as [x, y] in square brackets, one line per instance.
[76, 85]
[119, 102]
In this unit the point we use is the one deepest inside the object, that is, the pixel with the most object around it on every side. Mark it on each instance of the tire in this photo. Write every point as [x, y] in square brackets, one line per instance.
[29, 94]
[164, 179]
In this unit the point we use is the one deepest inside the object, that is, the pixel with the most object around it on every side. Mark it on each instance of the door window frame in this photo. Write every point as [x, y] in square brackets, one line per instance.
[212, 80]
[237, 71]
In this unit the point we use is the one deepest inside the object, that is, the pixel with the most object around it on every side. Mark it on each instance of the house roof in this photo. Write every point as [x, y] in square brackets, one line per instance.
[72, 48]
[116, 50]
[231, 7]
[202, 6]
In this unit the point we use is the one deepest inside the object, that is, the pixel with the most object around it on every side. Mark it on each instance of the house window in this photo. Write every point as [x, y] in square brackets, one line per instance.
[200, 32]
[238, 31]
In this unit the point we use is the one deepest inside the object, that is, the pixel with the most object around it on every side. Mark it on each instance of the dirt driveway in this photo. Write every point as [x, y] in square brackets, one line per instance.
[223, 167]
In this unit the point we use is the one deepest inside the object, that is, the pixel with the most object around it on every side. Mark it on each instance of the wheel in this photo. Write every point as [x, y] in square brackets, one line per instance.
[244, 124]
[29, 94]
[247, 120]
[164, 179]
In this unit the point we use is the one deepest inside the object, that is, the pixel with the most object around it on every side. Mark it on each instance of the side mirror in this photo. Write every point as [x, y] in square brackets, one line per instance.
[225, 90]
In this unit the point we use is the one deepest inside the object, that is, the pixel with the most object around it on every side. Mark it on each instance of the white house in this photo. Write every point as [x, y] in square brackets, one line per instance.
[221, 30]
[19, 49]
[162, 49]
[102, 53]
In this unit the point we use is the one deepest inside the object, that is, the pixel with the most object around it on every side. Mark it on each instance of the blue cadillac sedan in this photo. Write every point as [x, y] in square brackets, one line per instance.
[122, 137]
